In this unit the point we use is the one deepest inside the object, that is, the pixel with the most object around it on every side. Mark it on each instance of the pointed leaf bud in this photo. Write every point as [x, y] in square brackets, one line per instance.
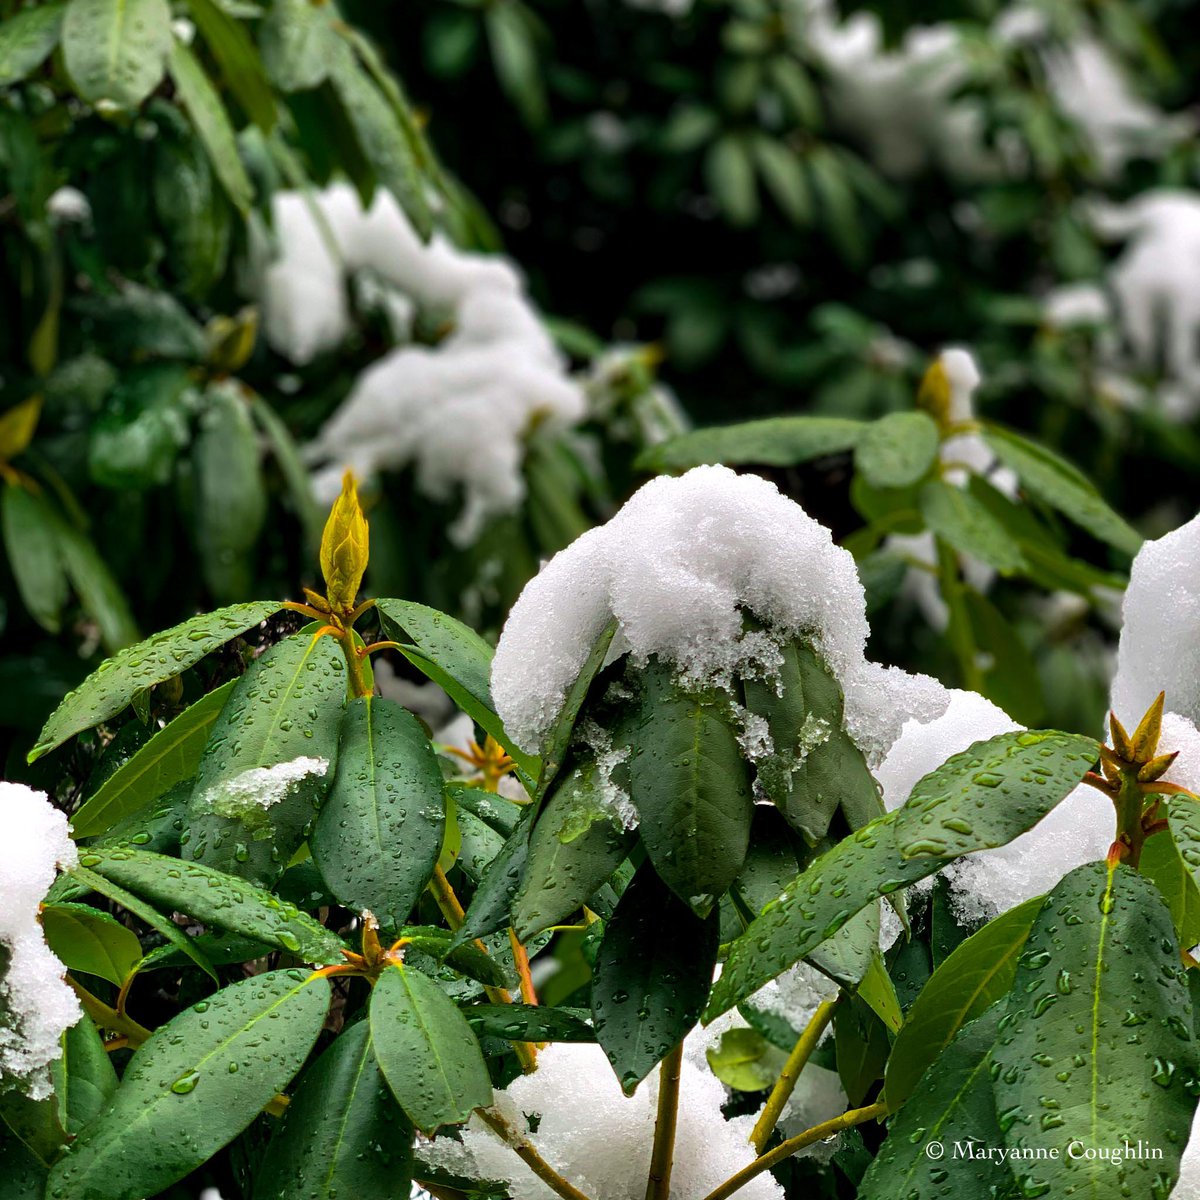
[1156, 768]
[934, 394]
[344, 547]
[1120, 739]
[1146, 735]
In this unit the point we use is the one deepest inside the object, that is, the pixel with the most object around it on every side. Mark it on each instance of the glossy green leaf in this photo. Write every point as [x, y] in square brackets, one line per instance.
[1057, 483]
[1183, 816]
[530, 1023]
[457, 659]
[381, 827]
[814, 765]
[171, 756]
[100, 595]
[981, 798]
[952, 1106]
[297, 44]
[773, 441]
[691, 788]
[22, 1176]
[426, 1050]
[288, 705]
[575, 846]
[744, 1060]
[860, 1048]
[115, 50]
[491, 906]
[958, 518]
[343, 1134]
[113, 685]
[216, 899]
[194, 1086]
[93, 942]
[897, 450]
[207, 113]
[1097, 1042]
[651, 976]
[241, 66]
[31, 540]
[26, 40]
[969, 981]
[1164, 866]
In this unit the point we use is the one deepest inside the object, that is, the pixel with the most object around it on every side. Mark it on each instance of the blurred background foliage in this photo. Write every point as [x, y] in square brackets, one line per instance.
[729, 209]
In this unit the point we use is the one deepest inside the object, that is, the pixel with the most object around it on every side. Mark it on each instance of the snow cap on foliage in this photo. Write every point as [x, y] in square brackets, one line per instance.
[262, 787]
[600, 1139]
[676, 568]
[36, 1005]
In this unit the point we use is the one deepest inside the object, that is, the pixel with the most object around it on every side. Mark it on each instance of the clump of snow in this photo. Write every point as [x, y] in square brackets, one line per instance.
[36, 1005]
[458, 411]
[795, 995]
[252, 792]
[608, 758]
[677, 567]
[1159, 650]
[632, 405]
[1073, 305]
[599, 1139]
[881, 699]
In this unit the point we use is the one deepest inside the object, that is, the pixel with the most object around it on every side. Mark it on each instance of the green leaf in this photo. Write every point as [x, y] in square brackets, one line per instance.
[511, 37]
[1057, 483]
[342, 1135]
[773, 442]
[729, 173]
[814, 765]
[576, 845]
[958, 518]
[530, 1023]
[113, 685]
[216, 899]
[115, 50]
[195, 1085]
[981, 798]
[22, 1176]
[288, 705]
[137, 439]
[236, 55]
[100, 595]
[691, 788]
[969, 981]
[297, 43]
[171, 756]
[381, 827]
[1164, 866]
[897, 450]
[211, 122]
[426, 1050]
[457, 659]
[31, 540]
[784, 177]
[861, 1048]
[291, 467]
[744, 1060]
[1183, 816]
[491, 905]
[87, 940]
[651, 976]
[952, 1106]
[381, 136]
[1097, 1041]
[26, 40]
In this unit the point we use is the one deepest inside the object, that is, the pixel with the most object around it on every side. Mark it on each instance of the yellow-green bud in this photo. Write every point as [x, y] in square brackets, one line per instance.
[344, 548]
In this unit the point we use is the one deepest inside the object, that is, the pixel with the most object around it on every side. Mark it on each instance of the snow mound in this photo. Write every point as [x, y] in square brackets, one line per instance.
[36, 1005]
[260, 788]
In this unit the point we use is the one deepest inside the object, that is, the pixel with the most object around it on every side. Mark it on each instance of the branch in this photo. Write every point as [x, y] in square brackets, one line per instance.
[658, 1185]
[529, 1156]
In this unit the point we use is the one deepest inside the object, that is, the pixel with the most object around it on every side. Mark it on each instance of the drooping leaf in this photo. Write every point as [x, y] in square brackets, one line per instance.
[967, 983]
[26, 40]
[286, 707]
[115, 50]
[1097, 1042]
[238, 59]
[100, 596]
[691, 788]
[530, 1023]
[952, 1106]
[195, 1085]
[575, 846]
[981, 798]
[113, 685]
[897, 450]
[773, 442]
[171, 756]
[343, 1134]
[861, 1048]
[491, 906]
[216, 899]
[1163, 864]
[297, 43]
[457, 659]
[31, 540]
[958, 518]
[651, 976]
[87, 940]
[381, 827]
[426, 1050]
[744, 1060]
[1057, 483]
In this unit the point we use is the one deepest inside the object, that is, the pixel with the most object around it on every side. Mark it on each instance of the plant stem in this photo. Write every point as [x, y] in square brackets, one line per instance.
[354, 665]
[806, 1043]
[658, 1186]
[530, 1157]
[1130, 802]
[818, 1133]
[455, 914]
[959, 627]
[521, 958]
[109, 1018]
